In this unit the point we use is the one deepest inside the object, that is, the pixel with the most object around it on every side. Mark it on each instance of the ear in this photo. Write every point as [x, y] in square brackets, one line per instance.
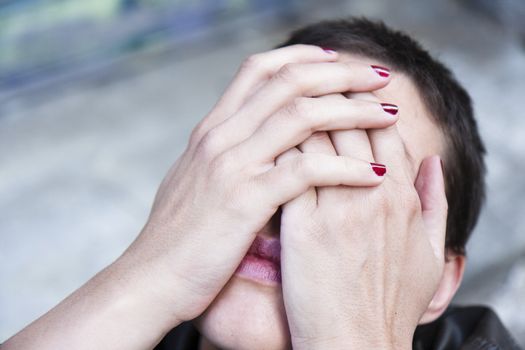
[449, 284]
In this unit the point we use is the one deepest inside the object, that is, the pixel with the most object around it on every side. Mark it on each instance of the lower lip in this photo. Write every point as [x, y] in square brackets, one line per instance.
[259, 269]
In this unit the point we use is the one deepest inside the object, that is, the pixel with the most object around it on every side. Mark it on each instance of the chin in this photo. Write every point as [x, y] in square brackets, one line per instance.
[246, 315]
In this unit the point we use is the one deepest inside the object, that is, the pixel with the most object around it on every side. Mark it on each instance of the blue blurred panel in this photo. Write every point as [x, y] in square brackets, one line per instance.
[43, 38]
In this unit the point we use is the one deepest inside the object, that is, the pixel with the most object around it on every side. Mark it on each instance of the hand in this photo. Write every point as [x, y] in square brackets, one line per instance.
[360, 265]
[226, 185]
[214, 200]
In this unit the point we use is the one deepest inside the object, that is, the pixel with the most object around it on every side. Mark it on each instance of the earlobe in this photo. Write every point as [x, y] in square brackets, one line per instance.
[448, 285]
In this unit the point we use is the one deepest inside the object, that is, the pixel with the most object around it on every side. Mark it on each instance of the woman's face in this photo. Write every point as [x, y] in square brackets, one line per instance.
[250, 313]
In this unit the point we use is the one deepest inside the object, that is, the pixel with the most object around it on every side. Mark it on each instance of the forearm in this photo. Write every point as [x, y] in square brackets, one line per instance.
[116, 309]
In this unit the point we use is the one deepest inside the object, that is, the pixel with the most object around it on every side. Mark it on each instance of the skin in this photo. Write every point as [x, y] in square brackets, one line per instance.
[266, 322]
[262, 147]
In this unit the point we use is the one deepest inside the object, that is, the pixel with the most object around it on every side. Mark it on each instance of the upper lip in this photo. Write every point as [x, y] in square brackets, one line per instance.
[267, 248]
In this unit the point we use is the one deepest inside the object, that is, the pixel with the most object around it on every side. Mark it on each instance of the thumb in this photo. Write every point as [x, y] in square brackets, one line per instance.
[430, 187]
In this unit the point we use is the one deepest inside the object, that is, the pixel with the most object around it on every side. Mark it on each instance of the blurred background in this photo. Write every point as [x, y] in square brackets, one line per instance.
[97, 100]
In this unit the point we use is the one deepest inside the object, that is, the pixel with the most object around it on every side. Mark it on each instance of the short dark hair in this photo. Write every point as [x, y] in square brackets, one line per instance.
[446, 100]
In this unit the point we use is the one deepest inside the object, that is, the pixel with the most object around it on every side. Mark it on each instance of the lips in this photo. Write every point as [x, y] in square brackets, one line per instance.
[262, 263]
[266, 248]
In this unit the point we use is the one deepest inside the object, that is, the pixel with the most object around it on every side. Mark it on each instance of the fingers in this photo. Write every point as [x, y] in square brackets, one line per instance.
[317, 79]
[318, 142]
[389, 149]
[256, 70]
[431, 190]
[295, 175]
[306, 201]
[294, 124]
[354, 143]
[289, 84]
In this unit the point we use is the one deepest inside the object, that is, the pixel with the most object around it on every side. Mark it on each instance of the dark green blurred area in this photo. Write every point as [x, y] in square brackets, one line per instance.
[40, 39]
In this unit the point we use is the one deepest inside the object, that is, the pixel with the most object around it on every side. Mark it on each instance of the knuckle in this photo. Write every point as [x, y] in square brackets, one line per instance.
[289, 111]
[253, 62]
[289, 74]
[318, 137]
[305, 166]
[299, 108]
[298, 114]
[211, 144]
[198, 133]
[302, 107]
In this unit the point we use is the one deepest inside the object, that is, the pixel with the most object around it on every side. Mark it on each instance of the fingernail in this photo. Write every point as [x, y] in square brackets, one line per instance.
[328, 50]
[382, 71]
[390, 108]
[379, 169]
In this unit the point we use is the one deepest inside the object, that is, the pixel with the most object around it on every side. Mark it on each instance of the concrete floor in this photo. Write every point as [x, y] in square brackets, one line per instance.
[80, 162]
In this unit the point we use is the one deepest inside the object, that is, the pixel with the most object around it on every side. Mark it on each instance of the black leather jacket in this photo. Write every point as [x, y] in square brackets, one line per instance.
[465, 328]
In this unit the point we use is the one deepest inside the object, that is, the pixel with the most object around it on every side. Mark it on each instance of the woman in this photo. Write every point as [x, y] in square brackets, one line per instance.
[308, 211]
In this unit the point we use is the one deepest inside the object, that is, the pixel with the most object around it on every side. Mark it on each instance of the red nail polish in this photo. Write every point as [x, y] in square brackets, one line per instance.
[328, 50]
[382, 71]
[390, 108]
[379, 169]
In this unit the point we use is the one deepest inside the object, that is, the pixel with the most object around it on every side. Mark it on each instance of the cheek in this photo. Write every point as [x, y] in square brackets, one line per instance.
[246, 315]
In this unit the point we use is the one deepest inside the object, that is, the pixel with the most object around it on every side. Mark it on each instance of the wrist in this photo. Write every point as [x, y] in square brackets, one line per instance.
[345, 343]
[95, 316]
[148, 288]
[358, 339]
